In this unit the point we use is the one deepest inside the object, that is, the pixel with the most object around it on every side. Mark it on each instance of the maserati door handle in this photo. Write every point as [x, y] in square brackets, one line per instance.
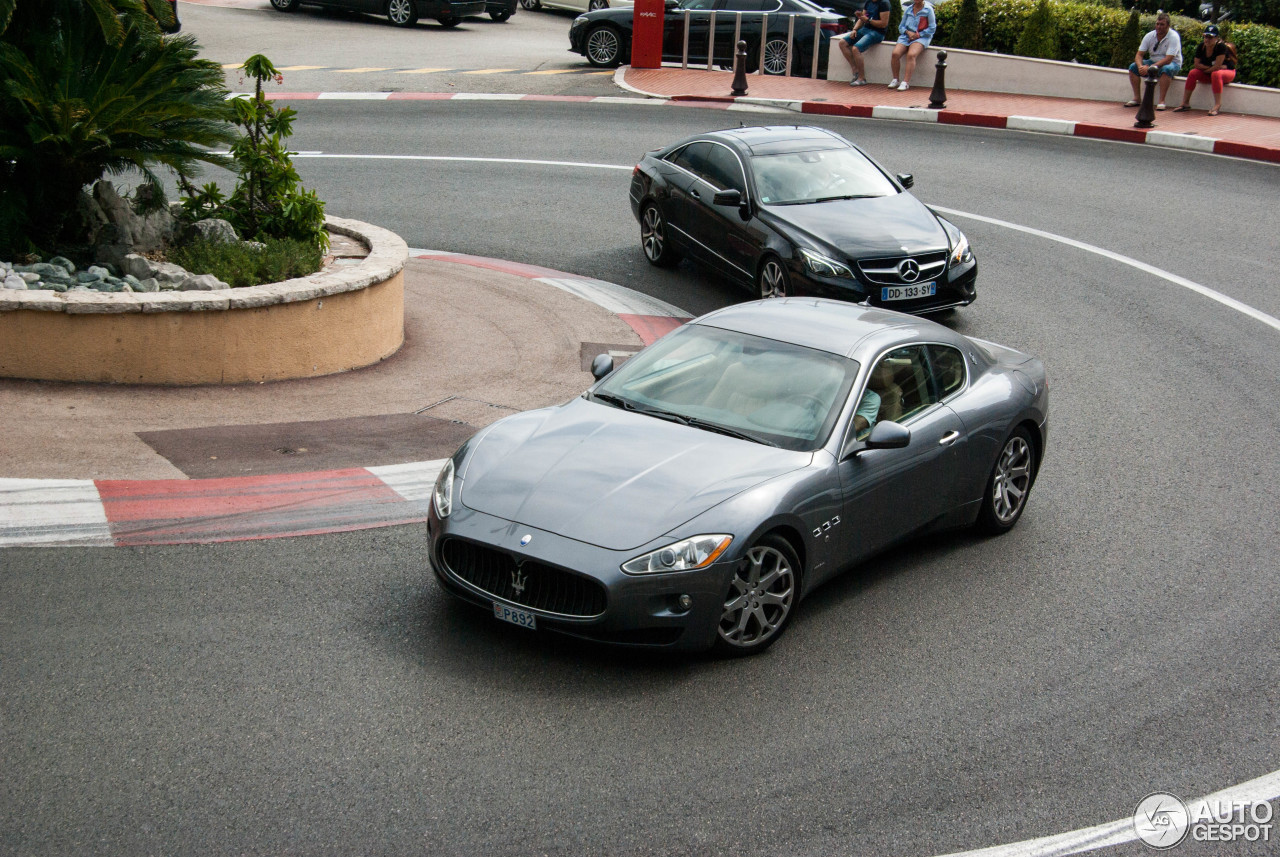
[948, 438]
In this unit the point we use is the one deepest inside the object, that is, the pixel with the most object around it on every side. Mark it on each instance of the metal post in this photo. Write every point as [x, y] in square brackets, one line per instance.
[740, 70]
[684, 59]
[938, 97]
[791, 40]
[764, 40]
[1147, 110]
[817, 43]
[711, 42]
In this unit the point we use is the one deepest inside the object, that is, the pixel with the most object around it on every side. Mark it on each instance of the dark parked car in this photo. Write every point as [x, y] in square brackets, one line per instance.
[799, 211]
[693, 496]
[402, 13]
[604, 36]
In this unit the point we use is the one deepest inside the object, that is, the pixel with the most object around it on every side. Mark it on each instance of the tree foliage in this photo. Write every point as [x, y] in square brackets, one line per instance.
[80, 99]
[1039, 38]
[968, 29]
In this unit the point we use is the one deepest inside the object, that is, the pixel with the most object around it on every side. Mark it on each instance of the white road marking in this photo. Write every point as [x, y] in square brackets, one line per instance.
[52, 512]
[452, 158]
[1211, 294]
[1262, 790]
[413, 481]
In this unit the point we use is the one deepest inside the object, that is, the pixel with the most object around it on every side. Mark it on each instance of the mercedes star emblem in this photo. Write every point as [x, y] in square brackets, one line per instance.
[908, 270]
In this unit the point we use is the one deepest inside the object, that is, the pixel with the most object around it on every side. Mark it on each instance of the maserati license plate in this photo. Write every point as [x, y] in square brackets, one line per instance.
[515, 616]
[906, 293]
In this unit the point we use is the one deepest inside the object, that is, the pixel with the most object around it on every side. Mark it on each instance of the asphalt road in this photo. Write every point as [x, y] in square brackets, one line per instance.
[320, 695]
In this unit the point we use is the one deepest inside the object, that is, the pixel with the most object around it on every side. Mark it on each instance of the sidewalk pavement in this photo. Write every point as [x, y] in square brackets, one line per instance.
[92, 464]
[1254, 137]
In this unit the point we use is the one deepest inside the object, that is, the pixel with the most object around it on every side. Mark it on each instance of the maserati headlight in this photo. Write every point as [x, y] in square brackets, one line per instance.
[823, 266]
[697, 552]
[579, 21]
[442, 496]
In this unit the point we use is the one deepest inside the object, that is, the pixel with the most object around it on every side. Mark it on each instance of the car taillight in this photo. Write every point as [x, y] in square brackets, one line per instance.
[635, 170]
[836, 27]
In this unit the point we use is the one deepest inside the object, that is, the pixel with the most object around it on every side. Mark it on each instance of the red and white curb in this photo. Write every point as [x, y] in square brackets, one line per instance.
[1168, 139]
[125, 512]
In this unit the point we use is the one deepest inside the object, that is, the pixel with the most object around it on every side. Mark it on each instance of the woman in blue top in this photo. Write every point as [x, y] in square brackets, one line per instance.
[914, 34]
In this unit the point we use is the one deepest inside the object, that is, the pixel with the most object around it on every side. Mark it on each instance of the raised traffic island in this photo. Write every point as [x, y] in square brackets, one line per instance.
[348, 315]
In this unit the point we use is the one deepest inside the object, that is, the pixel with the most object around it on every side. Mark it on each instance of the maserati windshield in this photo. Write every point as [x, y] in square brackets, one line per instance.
[735, 383]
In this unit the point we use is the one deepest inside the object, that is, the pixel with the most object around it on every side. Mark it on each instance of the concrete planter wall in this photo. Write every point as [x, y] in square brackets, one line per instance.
[333, 321]
[984, 72]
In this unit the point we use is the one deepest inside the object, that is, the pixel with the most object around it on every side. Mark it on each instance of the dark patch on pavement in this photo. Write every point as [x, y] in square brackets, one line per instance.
[221, 451]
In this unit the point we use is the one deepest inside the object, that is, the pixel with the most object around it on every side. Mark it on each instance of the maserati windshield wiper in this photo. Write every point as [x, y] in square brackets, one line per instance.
[846, 196]
[719, 429]
[616, 401]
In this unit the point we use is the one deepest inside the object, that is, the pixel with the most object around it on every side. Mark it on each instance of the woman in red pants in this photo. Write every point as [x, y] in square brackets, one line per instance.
[1215, 63]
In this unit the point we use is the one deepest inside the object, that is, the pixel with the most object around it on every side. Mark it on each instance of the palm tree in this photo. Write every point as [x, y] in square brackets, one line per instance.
[75, 106]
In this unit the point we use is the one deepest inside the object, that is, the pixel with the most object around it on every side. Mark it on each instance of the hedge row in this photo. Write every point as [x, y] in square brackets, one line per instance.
[1087, 33]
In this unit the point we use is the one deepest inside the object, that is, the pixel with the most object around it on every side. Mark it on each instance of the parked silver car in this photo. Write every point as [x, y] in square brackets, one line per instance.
[694, 495]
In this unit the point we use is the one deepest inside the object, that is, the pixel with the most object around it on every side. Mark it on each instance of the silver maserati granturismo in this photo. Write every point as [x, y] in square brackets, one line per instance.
[693, 495]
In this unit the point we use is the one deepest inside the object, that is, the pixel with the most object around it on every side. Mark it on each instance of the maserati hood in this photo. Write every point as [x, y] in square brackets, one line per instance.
[612, 478]
[867, 228]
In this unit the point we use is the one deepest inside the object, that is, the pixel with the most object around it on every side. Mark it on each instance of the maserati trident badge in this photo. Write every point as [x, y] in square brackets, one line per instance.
[525, 539]
[518, 580]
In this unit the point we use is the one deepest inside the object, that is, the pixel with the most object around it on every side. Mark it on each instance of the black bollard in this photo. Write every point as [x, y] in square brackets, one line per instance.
[1147, 110]
[938, 97]
[740, 70]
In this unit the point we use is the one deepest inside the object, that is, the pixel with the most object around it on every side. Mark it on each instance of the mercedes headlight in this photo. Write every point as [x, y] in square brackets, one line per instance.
[960, 251]
[697, 552]
[442, 496]
[824, 267]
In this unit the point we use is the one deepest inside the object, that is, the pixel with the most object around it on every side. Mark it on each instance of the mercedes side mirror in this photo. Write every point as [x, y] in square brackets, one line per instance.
[732, 196]
[601, 366]
[907, 180]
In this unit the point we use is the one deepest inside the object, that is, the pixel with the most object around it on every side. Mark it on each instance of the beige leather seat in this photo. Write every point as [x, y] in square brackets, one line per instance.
[883, 383]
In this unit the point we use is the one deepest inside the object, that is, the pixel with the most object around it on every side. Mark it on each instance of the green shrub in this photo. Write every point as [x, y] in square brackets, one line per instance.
[1095, 33]
[968, 28]
[242, 264]
[1039, 36]
[1125, 45]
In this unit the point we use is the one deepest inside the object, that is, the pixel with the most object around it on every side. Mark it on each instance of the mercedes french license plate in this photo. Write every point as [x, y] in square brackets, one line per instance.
[906, 293]
[515, 616]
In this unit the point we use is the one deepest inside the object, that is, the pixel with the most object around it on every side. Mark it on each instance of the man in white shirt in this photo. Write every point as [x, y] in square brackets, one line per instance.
[1162, 49]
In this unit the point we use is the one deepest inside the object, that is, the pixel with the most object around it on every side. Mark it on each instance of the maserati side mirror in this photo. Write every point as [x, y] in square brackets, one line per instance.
[601, 366]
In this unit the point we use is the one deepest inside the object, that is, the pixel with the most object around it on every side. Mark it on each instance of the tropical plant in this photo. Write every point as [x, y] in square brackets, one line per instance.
[74, 107]
[268, 201]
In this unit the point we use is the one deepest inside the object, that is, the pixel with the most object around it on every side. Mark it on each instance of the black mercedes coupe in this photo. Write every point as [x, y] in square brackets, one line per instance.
[800, 211]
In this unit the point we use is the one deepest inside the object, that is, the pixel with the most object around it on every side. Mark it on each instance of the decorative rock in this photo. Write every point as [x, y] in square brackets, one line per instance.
[203, 283]
[139, 266]
[102, 272]
[45, 269]
[13, 281]
[214, 229]
[120, 230]
[63, 262]
[30, 277]
[54, 286]
[88, 277]
[150, 284]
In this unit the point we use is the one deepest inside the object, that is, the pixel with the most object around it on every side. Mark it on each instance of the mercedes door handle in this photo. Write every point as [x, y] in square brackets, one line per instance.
[948, 438]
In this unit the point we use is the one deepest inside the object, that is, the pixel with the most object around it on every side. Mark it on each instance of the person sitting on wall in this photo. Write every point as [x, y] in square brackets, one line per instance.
[1162, 48]
[869, 26]
[919, 23]
[1215, 61]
